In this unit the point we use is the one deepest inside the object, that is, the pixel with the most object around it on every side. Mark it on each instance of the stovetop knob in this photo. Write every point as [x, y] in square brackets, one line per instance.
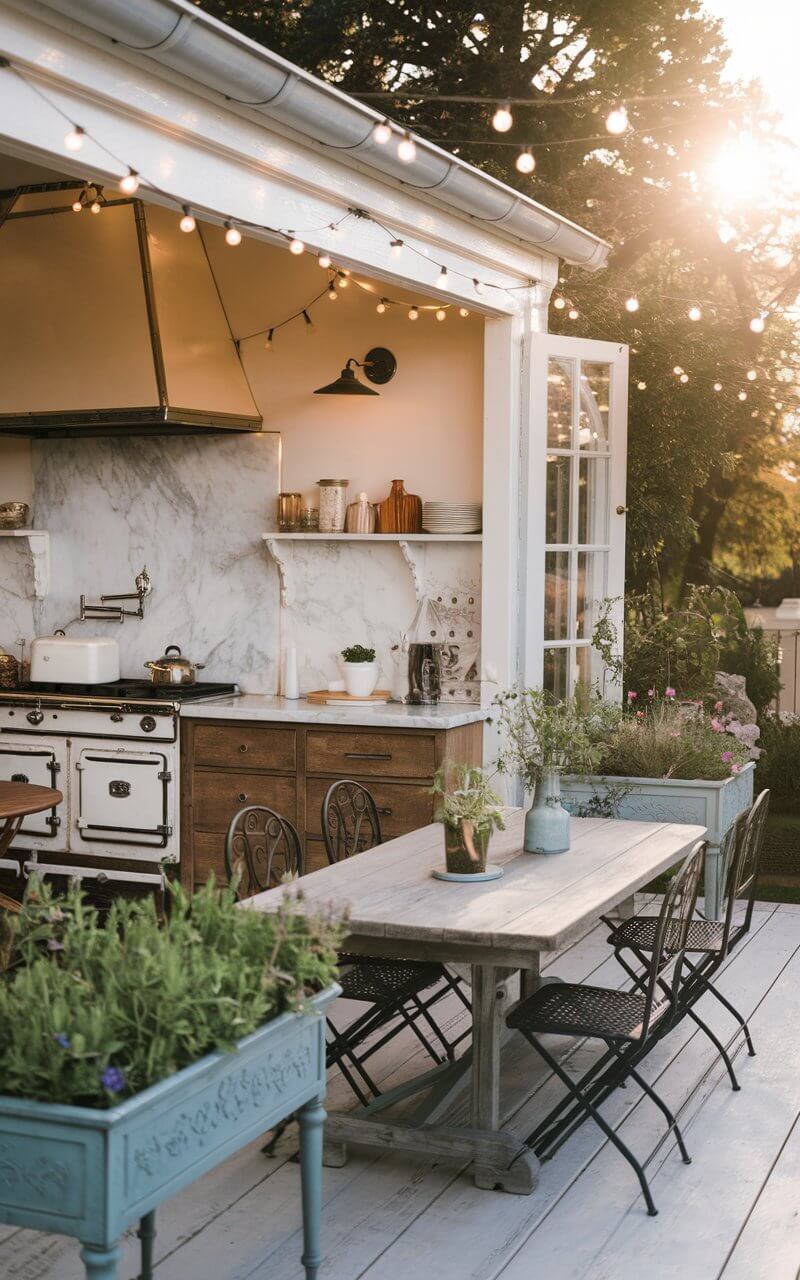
[35, 717]
[147, 724]
[116, 717]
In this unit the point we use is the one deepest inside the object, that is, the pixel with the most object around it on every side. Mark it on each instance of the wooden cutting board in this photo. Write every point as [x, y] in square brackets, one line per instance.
[325, 695]
[400, 512]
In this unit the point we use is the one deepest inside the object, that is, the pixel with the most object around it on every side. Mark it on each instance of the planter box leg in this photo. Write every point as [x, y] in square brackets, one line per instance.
[147, 1236]
[715, 873]
[311, 1118]
[100, 1264]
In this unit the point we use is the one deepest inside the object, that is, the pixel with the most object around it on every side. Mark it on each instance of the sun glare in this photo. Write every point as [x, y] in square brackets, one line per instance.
[741, 171]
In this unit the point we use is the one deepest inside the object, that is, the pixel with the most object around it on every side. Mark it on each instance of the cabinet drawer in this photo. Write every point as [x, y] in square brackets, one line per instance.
[218, 796]
[209, 855]
[358, 755]
[249, 746]
[402, 807]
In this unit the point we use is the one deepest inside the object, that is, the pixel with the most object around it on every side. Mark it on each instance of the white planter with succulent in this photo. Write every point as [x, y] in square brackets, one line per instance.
[360, 670]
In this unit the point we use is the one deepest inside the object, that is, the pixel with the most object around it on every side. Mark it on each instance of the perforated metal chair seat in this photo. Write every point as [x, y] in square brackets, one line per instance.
[639, 932]
[381, 982]
[564, 1008]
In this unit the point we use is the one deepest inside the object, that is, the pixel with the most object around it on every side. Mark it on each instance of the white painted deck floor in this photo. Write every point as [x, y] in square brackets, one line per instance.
[733, 1213]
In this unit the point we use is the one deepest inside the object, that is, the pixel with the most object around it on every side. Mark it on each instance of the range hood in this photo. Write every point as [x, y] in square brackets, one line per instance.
[111, 322]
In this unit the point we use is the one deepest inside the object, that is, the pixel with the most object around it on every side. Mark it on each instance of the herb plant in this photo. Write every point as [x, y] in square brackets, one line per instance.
[358, 653]
[94, 1012]
[541, 733]
[463, 793]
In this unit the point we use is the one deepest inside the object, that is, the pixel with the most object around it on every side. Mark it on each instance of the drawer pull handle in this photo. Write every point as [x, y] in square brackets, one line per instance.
[367, 755]
[386, 812]
[242, 746]
[242, 796]
[119, 789]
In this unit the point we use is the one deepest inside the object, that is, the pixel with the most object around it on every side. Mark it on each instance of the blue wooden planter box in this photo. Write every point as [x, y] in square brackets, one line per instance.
[90, 1173]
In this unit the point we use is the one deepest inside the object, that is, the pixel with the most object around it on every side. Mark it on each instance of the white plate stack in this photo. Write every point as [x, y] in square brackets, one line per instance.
[452, 517]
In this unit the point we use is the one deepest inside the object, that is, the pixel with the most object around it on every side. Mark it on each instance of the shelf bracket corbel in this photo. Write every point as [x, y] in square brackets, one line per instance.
[281, 553]
[407, 551]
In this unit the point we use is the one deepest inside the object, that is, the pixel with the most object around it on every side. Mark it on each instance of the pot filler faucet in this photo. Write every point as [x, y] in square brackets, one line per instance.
[103, 608]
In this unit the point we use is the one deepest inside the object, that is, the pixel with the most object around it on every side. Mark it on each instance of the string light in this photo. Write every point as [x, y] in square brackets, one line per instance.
[396, 247]
[308, 320]
[187, 222]
[77, 206]
[477, 286]
[757, 324]
[560, 304]
[94, 206]
[406, 149]
[444, 279]
[268, 342]
[525, 161]
[296, 246]
[695, 313]
[631, 304]
[684, 377]
[341, 279]
[573, 313]
[641, 386]
[233, 235]
[677, 370]
[463, 312]
[441, 314]
[129, 185]
[382, 133]
[742, 395]
[381, 307]
[717, 386]
[751, 375]
[502, 119]
[413, 313]
[324, 260]
[332, 294]
[73, 140]
[617, 120]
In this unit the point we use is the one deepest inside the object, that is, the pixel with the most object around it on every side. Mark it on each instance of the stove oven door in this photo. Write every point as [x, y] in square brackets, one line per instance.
[43, 764]
[123, 803]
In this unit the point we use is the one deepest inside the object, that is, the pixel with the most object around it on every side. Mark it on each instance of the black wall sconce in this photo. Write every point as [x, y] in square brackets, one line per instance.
[379, 366]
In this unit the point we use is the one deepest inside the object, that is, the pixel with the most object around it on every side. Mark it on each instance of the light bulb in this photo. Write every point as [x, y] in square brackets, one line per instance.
[77, 206]
[477, 286]
[617, 120]
[751, 375]
[717, 386]
[381, 307]
[742, 395]
[560, 304]
[573, 314]
[678, 370]
[382, 133]
[406, 149]
[632, 304]
[187, 222]
[296, 246]
[443, 280]
[642, 386]
[463, 312]
[684, 377]
[130, 183]
[342, 280]
[332, 294]
[757, 324]
[396, 247]
[502, 119]
[413, 313]
[441, 314]
[233, 235]
[525, 161]
[695, 313]
[95, 206]
[73, 140]
[778, 404]
[268, 342]
[324, 260]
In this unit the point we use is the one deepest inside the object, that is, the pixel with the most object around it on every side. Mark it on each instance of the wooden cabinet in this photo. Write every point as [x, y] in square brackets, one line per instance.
[228, 764]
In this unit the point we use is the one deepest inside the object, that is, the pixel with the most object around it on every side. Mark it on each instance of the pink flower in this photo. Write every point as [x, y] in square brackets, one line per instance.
[718, 706]
[676, 733]
[651, 693]
[669, 692]
[736, 768]
[640, 715]
[727, 756]
[715, 725]
[632, 695]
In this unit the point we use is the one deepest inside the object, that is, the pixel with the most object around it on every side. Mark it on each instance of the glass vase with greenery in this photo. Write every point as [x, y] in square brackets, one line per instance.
[470, 810]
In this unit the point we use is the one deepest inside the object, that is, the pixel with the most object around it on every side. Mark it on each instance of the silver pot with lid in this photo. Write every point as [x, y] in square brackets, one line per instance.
[173, 668]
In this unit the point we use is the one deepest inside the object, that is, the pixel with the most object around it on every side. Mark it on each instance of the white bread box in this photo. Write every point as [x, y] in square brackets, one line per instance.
[62, 659]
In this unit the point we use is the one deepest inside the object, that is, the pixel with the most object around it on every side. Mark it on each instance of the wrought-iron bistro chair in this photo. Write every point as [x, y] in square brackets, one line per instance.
[711, 940]
[628, 1023]
[262, 848]
[399, 993]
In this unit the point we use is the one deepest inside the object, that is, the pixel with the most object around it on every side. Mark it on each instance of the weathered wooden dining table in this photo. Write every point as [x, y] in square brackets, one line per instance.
[500, 928]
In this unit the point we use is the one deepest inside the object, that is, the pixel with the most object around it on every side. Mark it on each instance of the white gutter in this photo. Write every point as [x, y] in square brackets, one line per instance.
[179, 36]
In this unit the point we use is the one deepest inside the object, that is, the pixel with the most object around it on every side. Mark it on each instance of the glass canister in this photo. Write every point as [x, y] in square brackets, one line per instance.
[289, 509]
[332, 505]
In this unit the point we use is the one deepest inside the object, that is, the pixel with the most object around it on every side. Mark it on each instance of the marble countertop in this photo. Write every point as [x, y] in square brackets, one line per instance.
[394, 715]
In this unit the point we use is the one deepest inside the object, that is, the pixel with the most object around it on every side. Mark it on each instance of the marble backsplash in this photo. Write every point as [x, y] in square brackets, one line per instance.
[193, 510]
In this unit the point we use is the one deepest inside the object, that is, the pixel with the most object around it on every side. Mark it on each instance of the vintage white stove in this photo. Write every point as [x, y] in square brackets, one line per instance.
[112, 750]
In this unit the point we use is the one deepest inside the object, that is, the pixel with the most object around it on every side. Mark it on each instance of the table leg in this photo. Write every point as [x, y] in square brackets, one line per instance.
[100, 1264]
[311, 1119]
[8, 832]
[147, 1237]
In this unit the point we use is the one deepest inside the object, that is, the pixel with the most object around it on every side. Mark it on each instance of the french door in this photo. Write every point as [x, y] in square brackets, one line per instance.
[576, 507]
